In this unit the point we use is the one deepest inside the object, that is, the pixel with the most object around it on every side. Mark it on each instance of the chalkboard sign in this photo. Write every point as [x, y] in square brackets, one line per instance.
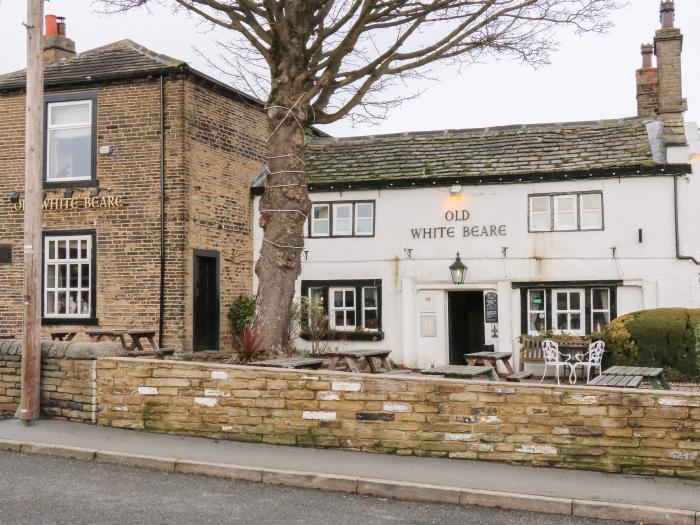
[491, 307]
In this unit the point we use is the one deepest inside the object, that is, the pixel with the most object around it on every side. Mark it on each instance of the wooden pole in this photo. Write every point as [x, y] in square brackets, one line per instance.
[33, 179]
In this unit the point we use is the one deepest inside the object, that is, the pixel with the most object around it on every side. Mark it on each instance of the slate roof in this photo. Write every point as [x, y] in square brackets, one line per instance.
[488, 153]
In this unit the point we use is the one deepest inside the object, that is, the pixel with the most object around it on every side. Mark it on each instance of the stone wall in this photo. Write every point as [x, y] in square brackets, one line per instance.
[630, 431]
[68, 388]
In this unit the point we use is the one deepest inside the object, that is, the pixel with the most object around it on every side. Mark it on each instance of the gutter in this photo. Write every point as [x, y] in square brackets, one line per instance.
[675, 212]
[161, 303]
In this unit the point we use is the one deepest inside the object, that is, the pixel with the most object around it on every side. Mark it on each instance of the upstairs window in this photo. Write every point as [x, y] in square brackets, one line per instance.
[342, 219]
[566, 212]
[70, 139]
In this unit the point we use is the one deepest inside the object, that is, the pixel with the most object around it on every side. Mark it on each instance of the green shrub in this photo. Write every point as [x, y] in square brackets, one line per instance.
[240, 314]
[665, 337]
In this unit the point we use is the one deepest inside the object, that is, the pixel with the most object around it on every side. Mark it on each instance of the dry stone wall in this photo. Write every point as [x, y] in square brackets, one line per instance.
[630, 431]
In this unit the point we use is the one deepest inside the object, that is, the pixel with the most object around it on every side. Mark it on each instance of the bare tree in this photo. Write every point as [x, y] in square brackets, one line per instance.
[324, 60]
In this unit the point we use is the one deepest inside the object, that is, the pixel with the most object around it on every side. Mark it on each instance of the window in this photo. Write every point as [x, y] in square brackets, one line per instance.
[600, 309]
[69, 140]
[68, 269]
[566, 212]
[568, 311]
[320, 220]
[364, 218]
[536, 312]
[342, 219]
[343, 312]
[316, 295]
[591, 211]
[370, 308]
[540, 213]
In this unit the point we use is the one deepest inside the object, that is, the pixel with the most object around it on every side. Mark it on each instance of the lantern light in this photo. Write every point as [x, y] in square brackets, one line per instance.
[458, 271]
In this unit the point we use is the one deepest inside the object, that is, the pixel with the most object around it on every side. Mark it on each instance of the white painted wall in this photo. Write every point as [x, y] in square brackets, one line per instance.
[651, 274]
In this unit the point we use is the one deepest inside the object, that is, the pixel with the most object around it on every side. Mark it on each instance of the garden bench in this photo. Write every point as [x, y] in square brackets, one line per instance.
[463, 372]
[291, 362]
[617, 381]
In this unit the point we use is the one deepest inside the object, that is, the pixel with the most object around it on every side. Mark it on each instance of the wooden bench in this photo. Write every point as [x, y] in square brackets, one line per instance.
[617, 381]
[516, 378]
[291, 362]
[463, 372]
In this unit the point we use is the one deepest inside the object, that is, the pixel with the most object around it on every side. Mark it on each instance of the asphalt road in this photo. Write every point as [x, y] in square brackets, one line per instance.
[43, 490]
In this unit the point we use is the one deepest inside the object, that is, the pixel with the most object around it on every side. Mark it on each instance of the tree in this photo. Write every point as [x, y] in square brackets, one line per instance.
[324, 60]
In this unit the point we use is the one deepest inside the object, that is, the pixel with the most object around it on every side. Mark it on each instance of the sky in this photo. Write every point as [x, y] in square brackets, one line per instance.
[590, 77]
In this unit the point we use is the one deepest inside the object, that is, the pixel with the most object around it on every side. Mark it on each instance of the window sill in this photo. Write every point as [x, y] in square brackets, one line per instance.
[58, 321]
[336, 335]
[92, 183]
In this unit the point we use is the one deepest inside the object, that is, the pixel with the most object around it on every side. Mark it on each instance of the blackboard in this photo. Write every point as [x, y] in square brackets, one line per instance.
[491, 307]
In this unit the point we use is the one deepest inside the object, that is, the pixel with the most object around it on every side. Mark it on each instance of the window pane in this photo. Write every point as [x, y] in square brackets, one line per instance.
[320, 227]
[364, 210]
[566, 203]
[70, 153]
[84, 249]
[540, 204]
[371, 320]
[62, 275]
[562, 322]
[338, 299]
[339, 318]
[70, 114]
[342, 212]
[50, 300]
[364, 226]
[73, 303]
[85, 303]
[370, 297]
[350, 317]
[61, 303]
[73, 273]
[61, 250]
[85, 275]
[591, 202]
[537, 323]
[316, 295]
[342, 219]
[575, 301]
[601, 299]
[73, 249]
[540, 221]
[51, 276]
[562, 303]
[537, 300]
[321, 212]
[575, 323]
[600, 321]
[349, 299]
[52, 249]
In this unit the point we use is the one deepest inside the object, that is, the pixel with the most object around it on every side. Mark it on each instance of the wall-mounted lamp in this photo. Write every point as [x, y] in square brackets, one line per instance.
[455, 190]
[614, 252]
[458, 271]
[95, 192]
[306, 255]
[14, 198]
[68, 194]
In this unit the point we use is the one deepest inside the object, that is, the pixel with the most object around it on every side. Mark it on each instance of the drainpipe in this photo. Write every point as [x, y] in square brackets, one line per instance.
[161, 304]
[675, 209]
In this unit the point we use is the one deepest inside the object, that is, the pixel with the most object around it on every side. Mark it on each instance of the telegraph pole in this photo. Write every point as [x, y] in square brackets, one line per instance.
[33, 177]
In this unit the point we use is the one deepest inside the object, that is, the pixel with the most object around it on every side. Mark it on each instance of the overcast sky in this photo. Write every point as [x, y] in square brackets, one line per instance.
[591, 77]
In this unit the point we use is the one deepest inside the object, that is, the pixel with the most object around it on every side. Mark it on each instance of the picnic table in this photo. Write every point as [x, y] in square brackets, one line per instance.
[292, 362]
[462, 372]
[655, 376]
[359, 360]
[617, 381]
[490, 359]
[63, 336]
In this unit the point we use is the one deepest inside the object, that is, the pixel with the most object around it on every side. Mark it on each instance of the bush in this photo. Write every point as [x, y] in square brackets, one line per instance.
[666, 337]
[240, 314]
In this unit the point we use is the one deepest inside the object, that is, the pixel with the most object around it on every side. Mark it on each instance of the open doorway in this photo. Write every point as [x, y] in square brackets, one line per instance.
[466, 324]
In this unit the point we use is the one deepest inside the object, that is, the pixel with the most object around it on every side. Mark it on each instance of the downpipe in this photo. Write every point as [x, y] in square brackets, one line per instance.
[679, 256]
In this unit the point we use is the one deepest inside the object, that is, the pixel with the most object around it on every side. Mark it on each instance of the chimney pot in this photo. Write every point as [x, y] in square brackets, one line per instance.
[647, 52]
[61, 25]
[51, 23]
[668, 13]
[57, 46]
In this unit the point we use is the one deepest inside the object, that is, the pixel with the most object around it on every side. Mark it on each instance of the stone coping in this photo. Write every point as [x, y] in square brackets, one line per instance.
[65, 349]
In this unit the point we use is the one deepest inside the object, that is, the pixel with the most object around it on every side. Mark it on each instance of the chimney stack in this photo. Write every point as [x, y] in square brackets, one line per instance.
[647, 84]
[668, 45]
[57, 46]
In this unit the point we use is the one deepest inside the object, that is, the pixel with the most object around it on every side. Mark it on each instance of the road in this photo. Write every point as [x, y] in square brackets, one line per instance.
[44, 490]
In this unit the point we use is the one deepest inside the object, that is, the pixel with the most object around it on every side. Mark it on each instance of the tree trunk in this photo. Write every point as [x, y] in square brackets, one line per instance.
[283, 211]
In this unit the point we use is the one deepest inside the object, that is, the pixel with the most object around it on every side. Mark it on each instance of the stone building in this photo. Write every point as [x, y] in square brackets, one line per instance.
[147, 213]
[561, 227]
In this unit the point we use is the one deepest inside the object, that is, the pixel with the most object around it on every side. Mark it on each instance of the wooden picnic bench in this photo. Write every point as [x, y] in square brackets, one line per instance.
[655, 376]
[63, 336]
[490, 359]
[359, 360]
[292, 362]
[617, 381]
[462, 372]
[136, 347]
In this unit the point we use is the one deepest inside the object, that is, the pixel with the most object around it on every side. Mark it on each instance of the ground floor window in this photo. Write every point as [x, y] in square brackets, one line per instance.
[69, 275]
[567, 308]
[351, 305]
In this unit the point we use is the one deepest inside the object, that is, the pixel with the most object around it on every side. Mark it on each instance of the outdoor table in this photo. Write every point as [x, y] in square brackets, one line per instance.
[137, 335]
[292, 362]
[462, 372]
[110, 335]
[136, 348]
[655, 376]
[617, 381]
[490, 359]
[63, 336]
[358, 360]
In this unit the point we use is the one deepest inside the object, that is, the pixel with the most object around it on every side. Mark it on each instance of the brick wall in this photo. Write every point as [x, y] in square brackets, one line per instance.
[68, 388]
[642, 432]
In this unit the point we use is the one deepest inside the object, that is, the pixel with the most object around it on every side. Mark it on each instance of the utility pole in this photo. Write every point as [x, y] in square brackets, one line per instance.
[33, 176]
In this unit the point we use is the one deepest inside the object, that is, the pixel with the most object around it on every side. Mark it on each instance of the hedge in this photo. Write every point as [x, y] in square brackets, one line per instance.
[665, 337]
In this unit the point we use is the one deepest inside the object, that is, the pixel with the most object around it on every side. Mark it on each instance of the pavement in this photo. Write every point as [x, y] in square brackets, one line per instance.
[82, 492]
[651, 500]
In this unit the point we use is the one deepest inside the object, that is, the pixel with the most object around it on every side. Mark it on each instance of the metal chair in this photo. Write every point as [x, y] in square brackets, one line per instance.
[553, 357]
[591, 359]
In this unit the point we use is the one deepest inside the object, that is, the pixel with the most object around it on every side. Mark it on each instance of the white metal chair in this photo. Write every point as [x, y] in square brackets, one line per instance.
[593, 359]
[553, 357]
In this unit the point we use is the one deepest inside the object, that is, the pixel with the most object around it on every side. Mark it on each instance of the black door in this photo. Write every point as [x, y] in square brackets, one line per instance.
[206, 300]
[466, 315]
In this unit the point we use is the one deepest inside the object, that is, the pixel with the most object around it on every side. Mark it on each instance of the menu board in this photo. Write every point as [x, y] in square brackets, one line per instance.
[491, 307]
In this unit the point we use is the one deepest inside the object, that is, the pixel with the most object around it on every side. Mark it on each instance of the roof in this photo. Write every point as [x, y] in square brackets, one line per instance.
[119, 60]
[486, 155]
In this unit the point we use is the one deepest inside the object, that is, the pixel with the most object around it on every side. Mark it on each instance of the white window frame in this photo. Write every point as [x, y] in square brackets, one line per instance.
[313, 220]
[581, 311]
[530, 311]
[56, 262]
[332, 309]
[548, 212]
[337, 206]
[365, 308]
[582, 211]
[594, 310]
[355, 216]
[310, 293]
[574, 212]
[58, 127]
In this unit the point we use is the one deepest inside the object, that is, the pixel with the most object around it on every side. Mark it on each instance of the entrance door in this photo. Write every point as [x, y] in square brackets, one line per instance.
[206, 301]
[466, 317]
